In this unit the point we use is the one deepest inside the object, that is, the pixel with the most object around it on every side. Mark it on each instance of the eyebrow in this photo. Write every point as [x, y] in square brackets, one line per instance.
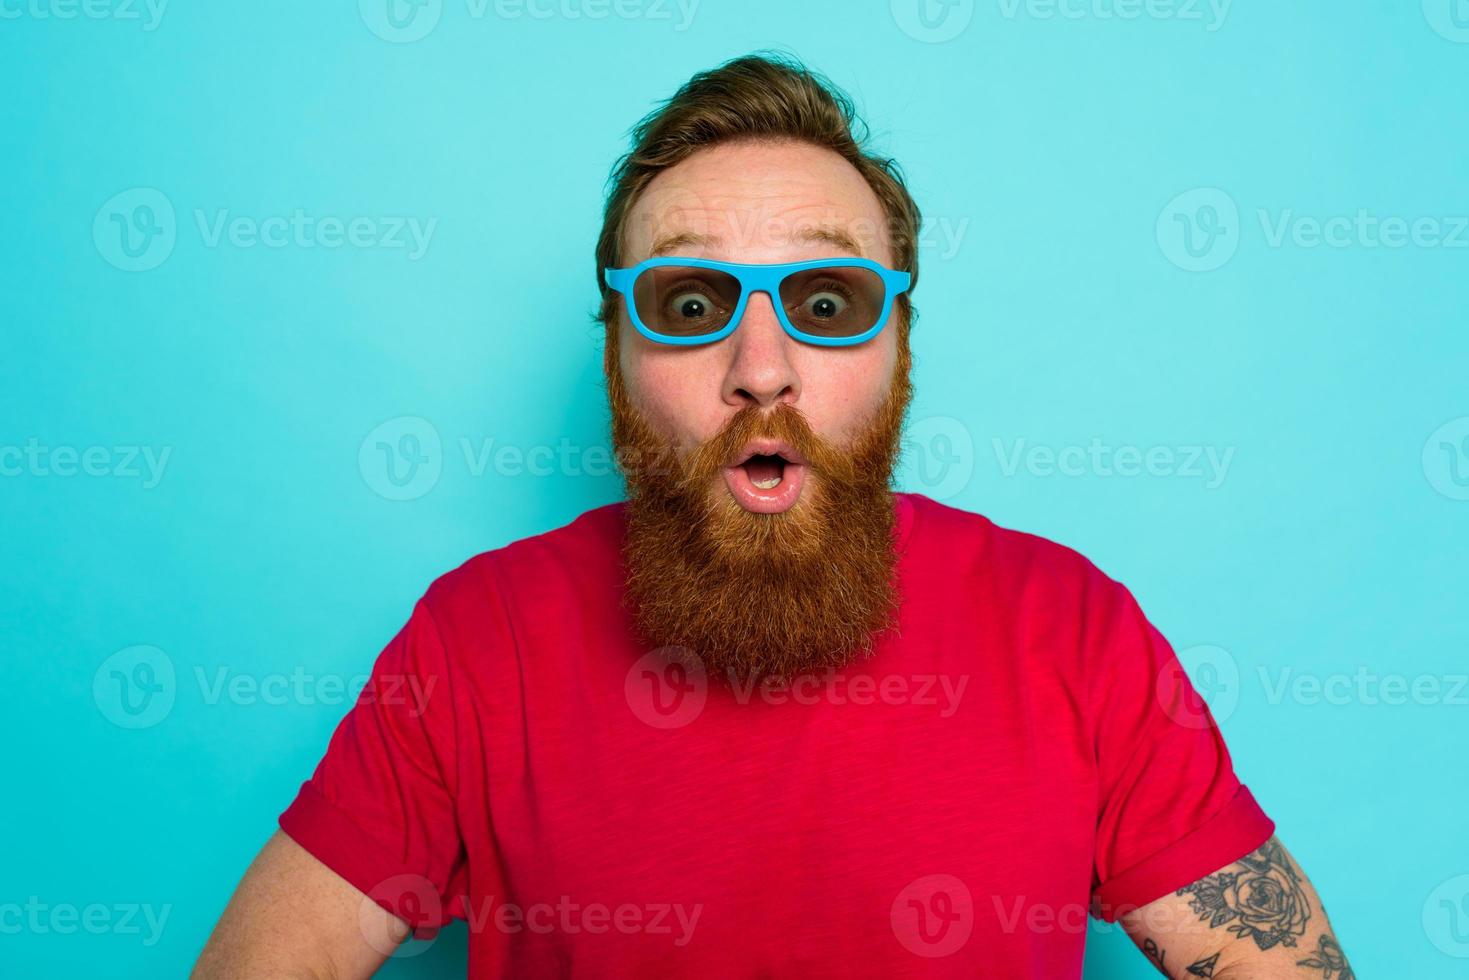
[828, 234]
[833, 236]
[669, 243]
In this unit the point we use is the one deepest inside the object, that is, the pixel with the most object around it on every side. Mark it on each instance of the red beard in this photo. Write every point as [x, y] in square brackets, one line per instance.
[760, 595]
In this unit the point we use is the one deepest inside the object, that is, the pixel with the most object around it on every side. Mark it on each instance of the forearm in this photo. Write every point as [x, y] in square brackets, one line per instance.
[1320, 958]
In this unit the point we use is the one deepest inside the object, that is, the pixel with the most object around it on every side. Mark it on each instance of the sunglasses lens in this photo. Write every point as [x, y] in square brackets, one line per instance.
[834, 301]
[685, 301]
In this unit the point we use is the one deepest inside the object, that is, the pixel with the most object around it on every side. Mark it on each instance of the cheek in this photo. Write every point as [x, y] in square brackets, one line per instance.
[669, 392]
[843, 389]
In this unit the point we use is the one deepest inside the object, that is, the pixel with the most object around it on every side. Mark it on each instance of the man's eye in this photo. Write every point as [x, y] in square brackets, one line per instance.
[825, 305]
[692, 305]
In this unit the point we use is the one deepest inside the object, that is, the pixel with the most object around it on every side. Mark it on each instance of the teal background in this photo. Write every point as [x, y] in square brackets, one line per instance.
[1052, 147]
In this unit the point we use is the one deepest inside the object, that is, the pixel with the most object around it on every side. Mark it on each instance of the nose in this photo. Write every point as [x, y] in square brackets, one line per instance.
[760, 370]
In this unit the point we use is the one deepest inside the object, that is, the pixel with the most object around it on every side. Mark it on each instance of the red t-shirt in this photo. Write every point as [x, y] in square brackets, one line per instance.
[1027, 750]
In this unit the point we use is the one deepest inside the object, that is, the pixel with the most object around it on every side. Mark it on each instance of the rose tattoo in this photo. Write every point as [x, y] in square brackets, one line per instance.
[1264, 901]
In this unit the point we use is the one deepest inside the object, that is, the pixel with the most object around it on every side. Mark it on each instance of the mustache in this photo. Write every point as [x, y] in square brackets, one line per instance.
[785, 423]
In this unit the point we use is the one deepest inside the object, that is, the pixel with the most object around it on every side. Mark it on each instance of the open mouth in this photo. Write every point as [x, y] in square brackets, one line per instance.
[767, 477]
[765, 470]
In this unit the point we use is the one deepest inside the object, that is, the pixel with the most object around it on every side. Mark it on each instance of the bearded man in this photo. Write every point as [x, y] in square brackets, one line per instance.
[767, 717]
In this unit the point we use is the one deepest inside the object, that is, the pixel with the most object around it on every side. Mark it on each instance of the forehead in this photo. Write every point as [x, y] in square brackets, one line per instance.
[758, 202]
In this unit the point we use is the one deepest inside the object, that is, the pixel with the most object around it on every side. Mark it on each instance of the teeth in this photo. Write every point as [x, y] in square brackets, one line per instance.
[769, 484]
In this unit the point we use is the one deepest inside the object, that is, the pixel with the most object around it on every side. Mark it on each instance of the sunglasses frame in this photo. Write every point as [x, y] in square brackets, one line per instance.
[759, 278]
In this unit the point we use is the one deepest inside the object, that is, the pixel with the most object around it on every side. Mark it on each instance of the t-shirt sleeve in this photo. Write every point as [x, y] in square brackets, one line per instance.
[1170, 808]
[379, 809]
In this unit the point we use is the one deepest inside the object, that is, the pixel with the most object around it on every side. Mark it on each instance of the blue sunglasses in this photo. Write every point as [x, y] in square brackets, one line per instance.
[829, 302]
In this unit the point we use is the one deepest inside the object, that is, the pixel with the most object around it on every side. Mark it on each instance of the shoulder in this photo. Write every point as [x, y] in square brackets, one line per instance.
[1049, 606]
[1048, 599]
[1003, 558]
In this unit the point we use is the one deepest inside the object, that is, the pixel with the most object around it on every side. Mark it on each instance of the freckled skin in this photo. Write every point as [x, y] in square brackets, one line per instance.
[757, 197]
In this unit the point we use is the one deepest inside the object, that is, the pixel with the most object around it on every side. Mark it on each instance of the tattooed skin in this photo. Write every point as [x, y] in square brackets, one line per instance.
[1204, 967]
[1263, 900]
[1155, 953]
[1329, 960]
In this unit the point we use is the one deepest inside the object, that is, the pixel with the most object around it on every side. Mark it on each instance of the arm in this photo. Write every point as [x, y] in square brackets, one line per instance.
[374, 824]
[292, 916]
[1256, 919]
